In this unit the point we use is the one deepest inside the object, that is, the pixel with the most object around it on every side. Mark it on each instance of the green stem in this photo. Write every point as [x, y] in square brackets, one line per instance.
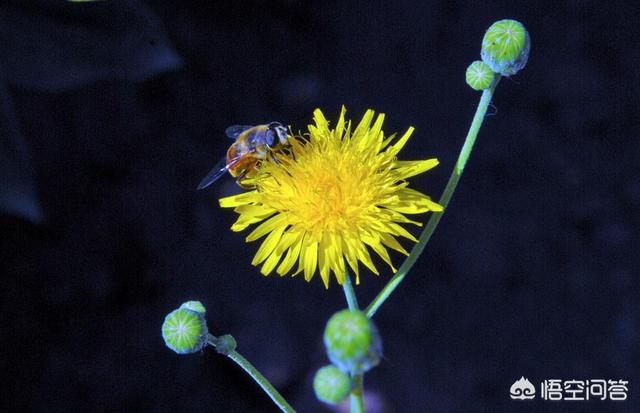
[356, 400]
[485, 100]
[349, 293]
[257, 376]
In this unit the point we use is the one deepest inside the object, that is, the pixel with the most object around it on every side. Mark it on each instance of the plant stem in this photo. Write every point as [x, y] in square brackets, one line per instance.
[349, 293]
[485, 100]
[356, 400]
[258, 377]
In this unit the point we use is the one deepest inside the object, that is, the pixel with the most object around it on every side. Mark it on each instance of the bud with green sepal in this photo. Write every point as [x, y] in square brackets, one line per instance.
[352, 341]
[225, 344]
[479, 75]
[331, 385]
[505, 47]
[196, 306]
[185, 330]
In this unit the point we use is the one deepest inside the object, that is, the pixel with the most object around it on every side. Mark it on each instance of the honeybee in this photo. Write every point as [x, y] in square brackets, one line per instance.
[252, 145]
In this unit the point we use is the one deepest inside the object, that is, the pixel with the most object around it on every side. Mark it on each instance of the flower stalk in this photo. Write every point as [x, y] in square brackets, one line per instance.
[356, 401]
[349, 293]
[254, 373]
[417, 249]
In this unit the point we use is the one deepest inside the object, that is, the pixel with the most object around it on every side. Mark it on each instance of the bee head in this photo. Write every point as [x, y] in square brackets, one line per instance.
[277, 131]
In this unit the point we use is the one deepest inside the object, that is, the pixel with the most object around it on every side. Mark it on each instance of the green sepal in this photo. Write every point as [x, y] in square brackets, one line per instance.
[331, 385]
[505, 47]
[352, 341]
[196, 306]
[185, 331]
[479, 75]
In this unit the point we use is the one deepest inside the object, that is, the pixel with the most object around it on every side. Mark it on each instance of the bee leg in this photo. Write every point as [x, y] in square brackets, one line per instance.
[275, 159]
[284, 153]
[293, 155]
[239, 179]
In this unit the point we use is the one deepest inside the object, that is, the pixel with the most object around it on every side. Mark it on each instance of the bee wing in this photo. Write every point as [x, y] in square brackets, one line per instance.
[220, 169]
[235, 130]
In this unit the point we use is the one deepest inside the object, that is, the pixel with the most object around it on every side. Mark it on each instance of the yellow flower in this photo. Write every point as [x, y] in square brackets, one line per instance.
[338, 194]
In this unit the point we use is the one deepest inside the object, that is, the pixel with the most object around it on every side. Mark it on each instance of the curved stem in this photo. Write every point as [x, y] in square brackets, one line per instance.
[444, 201]
[257, 376]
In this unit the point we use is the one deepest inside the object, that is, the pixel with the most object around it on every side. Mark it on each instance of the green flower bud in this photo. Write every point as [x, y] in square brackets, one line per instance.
[331, 385]
[352, 341]
[505, 47]
[185, 331]
[225, 344]
[194, 306]
[479, 75]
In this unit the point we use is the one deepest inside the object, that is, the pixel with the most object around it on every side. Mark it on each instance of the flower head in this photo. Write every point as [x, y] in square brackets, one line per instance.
[479, 75]
[352, 341]
[331, 384]
[185, 330]
[505, 47]
[340, 193]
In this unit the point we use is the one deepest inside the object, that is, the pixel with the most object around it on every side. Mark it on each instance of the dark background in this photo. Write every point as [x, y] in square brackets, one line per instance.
[112, 112]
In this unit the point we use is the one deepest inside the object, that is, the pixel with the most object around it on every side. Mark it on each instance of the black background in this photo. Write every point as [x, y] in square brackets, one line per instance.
[113, 111]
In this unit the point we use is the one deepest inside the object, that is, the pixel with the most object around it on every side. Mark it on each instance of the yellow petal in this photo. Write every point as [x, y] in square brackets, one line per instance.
[323, 262]
[399, 230]
[361, 130]
[410, 201]
[347, 132]
[375, 244]
[394, 216]
[395, 148]
[267, 226]
[363, 255]
[268, 245]
[387, 141]
[270, 263]
[321, 122]
[350, 254]
[309, 258]
[392, 243]
[337, 264]
[291, 258]
[420, 207]
[259, 210]
[407, 169]
[288, 239]
[372, 142]
[244, 221]
[374, 133]
[340, 125]
[390, 228]
[240, 199]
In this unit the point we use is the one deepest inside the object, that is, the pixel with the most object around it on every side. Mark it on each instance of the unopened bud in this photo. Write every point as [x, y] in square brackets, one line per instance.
[479, 75]
[194, 306]
[331, 385]
[184, 330]
[505, 47]
[352, 341]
